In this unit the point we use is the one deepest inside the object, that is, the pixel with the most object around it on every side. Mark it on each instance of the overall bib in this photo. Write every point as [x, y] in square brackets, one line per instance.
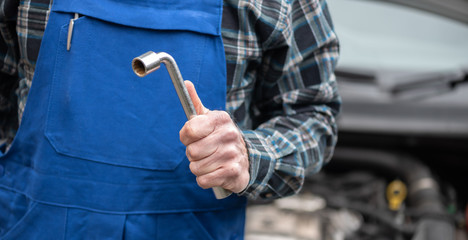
[98, 155]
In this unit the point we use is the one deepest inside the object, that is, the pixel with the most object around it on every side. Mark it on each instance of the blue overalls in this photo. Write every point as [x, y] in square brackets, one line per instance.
[98, 155]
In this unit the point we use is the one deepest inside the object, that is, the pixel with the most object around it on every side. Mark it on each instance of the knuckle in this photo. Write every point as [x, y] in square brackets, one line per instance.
[199, 127]
[231, 134]
[189, 131]
[194, 168]
[230, 153]
[186, 134]
[222, 117]
[191, 153]
[188, 153]
[232, 171]
[225, 116]
[203, 182]
[182, 135]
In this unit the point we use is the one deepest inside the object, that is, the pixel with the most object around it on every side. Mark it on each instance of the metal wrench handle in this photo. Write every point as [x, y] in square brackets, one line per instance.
[150, 62]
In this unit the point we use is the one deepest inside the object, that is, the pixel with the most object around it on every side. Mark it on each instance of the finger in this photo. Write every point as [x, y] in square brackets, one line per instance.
[225, 177]
[206, 166]
[202, 148]
[210, 180]
[201, 126]
[197, 103]
[196, 128]
[210, 164]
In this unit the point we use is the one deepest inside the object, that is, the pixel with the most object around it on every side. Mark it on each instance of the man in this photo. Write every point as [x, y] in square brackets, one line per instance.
[281, 100]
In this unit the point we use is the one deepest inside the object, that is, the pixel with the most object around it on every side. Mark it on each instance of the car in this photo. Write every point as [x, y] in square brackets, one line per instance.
[400, 168]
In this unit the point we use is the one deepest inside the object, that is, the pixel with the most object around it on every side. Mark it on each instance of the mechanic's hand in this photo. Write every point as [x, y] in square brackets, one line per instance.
[215, 148]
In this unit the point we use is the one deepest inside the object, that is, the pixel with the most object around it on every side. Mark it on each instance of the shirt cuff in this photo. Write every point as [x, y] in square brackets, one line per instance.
[261, 162]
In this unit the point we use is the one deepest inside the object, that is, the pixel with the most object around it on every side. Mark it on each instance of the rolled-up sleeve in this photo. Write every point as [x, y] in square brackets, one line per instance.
[295, 101]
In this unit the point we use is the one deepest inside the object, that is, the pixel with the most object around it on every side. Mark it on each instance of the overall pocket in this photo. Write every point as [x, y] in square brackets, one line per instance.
[99, 110]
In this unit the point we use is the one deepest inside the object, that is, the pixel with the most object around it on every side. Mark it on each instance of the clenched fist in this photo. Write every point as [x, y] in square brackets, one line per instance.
[215, 148]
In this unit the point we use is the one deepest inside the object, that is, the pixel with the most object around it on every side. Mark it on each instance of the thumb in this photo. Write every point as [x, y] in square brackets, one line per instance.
[195, 99]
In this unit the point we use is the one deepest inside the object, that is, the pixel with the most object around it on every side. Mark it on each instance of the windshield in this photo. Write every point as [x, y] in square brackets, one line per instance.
[380, 36]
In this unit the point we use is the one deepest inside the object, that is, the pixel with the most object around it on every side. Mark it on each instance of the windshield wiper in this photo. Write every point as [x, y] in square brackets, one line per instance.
[453, 9]
[400, 84]
[421, 85]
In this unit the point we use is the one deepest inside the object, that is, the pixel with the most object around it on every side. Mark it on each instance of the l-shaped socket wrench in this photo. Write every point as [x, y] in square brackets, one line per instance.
[150, 62]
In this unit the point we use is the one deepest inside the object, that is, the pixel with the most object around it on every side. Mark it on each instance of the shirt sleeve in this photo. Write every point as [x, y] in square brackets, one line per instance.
[8, 71]
[295, 102]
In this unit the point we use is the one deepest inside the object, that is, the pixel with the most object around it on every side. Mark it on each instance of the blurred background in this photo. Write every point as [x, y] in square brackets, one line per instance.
[400, 169]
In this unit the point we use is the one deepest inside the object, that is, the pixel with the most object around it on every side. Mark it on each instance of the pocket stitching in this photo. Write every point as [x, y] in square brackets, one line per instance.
[20, 221]
[199, 228]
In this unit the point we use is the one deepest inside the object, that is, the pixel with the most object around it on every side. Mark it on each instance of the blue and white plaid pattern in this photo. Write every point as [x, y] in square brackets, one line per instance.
[281, 91]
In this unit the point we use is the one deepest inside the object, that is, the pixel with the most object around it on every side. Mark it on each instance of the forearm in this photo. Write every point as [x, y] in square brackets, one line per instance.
[296, 101]
[282, 150]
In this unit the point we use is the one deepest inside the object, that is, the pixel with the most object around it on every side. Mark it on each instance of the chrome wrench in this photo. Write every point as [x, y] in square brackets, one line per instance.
[150, 62]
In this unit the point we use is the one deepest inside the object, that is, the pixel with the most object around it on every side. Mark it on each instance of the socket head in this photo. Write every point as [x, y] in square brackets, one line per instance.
[146, 63]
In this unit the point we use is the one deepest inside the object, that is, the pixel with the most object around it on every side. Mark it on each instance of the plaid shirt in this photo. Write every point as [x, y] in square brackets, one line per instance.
[281, 91]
